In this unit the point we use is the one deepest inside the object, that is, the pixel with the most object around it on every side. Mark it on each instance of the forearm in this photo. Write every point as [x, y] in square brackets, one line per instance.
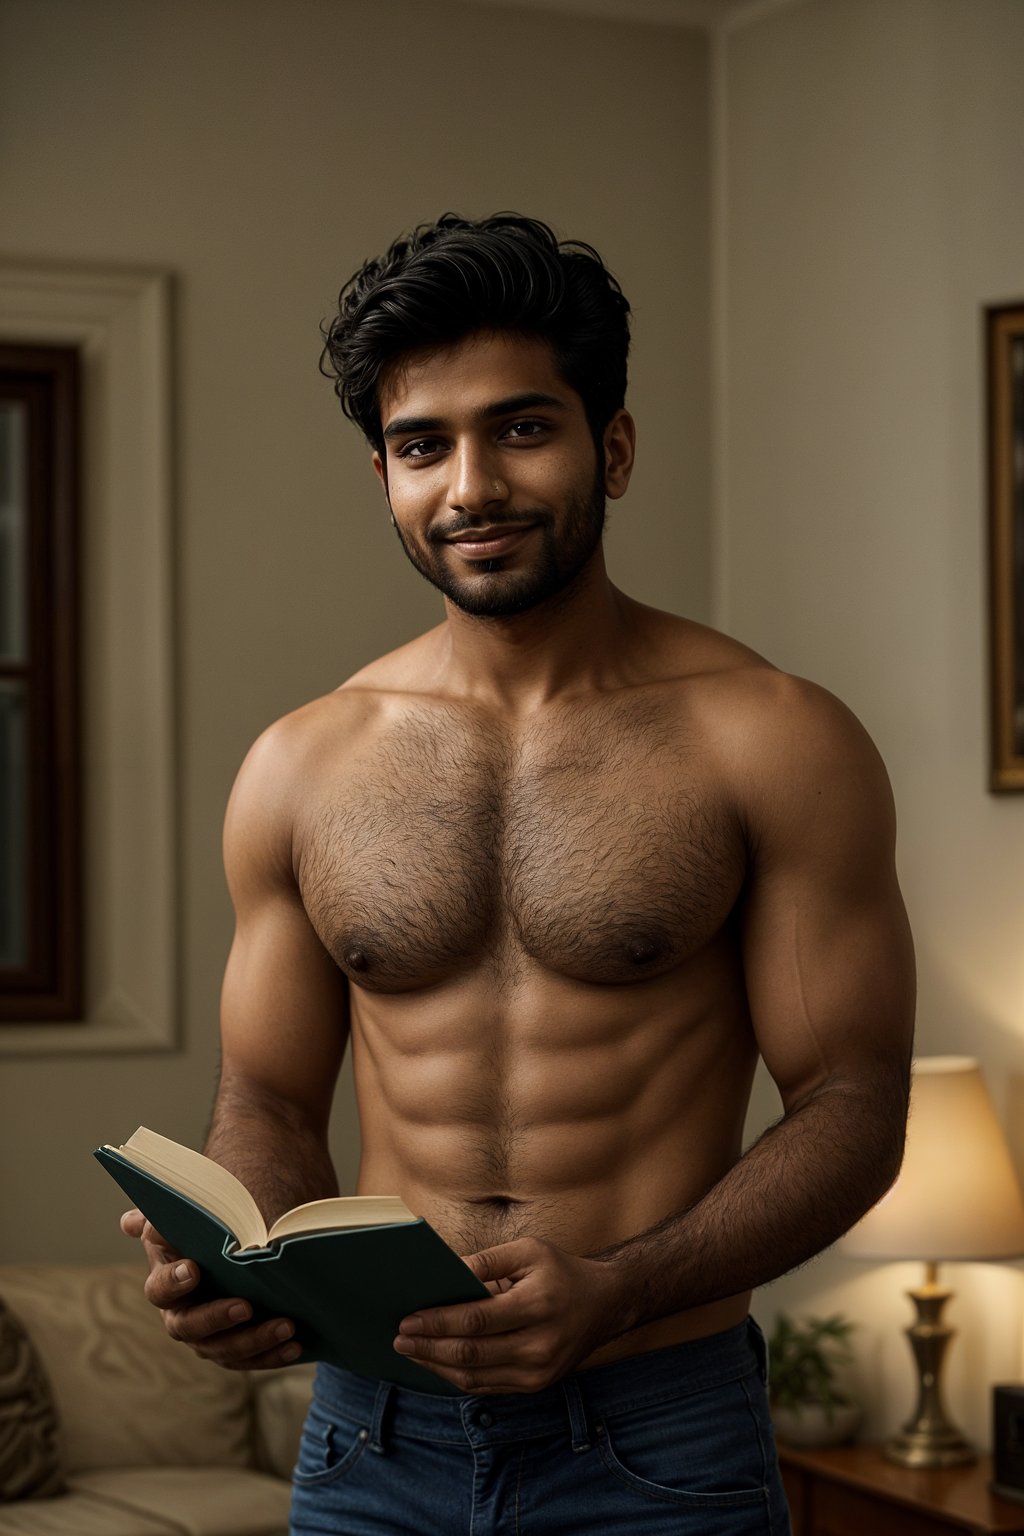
[792, 1194]
[271, 1146]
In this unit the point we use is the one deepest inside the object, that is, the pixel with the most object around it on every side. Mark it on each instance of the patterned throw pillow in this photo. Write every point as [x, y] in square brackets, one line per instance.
[29, 1460]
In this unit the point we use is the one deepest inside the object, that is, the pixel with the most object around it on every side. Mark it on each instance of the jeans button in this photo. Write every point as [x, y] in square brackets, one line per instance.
[486, 1419]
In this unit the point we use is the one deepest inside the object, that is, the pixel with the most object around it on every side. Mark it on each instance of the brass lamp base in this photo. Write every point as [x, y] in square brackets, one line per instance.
[913, 1448]
[929, 1439]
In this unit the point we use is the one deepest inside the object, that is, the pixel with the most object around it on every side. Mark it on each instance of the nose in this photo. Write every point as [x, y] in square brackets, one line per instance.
[475, 483]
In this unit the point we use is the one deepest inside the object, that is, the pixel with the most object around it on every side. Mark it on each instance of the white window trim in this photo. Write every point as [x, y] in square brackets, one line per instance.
[120, 319]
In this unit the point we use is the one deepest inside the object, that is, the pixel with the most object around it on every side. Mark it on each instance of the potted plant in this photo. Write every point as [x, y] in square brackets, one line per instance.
[808, 1407]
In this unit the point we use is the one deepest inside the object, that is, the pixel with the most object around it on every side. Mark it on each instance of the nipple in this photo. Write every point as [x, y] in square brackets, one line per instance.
[642, 951]
[356, 959]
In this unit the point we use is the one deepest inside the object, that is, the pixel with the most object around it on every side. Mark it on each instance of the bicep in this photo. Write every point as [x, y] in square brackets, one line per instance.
[284, 1002]
[284, 1011]
[828, 957]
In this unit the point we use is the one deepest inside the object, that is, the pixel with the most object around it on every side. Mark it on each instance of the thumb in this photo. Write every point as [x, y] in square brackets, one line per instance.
[503, 1265]
[133, 1223]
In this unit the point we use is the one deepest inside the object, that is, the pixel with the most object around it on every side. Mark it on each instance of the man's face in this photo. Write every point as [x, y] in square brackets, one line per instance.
[493, 478]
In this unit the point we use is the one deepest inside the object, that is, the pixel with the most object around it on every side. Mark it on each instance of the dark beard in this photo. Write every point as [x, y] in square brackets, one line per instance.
[493, 593]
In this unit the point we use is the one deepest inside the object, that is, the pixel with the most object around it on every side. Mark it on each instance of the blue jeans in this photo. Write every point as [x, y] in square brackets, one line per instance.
[674, 1442]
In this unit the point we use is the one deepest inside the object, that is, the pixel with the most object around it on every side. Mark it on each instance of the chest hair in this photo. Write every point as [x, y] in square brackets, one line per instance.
[594, 845]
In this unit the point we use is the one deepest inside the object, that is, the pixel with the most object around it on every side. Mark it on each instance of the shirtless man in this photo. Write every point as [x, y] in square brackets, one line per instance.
[559, 869]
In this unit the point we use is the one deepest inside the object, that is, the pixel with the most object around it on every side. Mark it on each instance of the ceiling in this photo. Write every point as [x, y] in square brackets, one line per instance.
[672, 13]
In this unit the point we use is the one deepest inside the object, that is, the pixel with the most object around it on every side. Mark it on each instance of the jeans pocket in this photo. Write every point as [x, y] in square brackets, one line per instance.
[701, 1451]
[329, 1449]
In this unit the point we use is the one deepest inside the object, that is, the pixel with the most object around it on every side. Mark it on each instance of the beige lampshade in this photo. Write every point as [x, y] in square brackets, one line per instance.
[957, 1196]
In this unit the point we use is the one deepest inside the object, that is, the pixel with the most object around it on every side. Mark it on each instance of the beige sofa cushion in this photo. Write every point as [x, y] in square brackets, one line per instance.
[281, 1399]
[80, 1513]
[127, 1395]
[168, 1502]
[206, 1501]
[29, 1458]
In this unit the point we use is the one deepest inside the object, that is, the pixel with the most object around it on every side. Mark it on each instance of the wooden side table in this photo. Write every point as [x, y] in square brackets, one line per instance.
[853, 1491]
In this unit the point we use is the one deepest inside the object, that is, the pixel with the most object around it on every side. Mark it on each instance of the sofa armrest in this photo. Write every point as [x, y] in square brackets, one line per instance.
[280, 1400]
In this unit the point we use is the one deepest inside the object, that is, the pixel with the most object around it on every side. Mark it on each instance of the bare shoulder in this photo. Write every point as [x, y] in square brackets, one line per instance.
[789, 730]
[791, 725]
[285, 754]
[780, 743]
[800, 767]
[292, 755]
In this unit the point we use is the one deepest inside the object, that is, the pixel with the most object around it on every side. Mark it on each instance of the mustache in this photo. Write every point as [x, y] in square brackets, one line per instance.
[466, 524]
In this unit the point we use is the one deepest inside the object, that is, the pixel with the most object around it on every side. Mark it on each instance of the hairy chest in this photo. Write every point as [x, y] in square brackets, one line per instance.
[596, 849]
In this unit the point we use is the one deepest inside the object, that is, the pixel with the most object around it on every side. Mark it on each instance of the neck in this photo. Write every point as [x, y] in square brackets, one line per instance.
[568, 644]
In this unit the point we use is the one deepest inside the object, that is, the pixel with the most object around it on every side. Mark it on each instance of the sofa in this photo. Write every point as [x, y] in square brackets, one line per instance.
[109, 1428]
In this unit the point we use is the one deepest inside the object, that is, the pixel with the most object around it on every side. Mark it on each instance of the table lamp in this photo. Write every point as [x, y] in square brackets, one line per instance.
[957, 1197]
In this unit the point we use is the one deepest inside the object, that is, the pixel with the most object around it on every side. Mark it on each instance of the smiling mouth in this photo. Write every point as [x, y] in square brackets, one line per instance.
[485, 543]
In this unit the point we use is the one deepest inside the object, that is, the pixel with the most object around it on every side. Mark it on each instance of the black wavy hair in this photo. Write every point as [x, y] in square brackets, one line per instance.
[448, 279]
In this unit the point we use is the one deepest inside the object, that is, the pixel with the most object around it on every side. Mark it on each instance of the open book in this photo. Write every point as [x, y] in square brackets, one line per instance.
[200, 1179]
[345, 1270]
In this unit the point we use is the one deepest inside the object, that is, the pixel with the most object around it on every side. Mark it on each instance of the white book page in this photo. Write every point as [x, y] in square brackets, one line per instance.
[202, 1180]
[341, 1211]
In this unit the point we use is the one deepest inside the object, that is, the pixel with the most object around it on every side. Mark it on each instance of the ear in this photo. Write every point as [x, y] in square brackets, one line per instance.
[380, 469]
[619, 449]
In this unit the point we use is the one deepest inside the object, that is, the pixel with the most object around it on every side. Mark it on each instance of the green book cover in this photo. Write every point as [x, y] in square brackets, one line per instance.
[346, 1291]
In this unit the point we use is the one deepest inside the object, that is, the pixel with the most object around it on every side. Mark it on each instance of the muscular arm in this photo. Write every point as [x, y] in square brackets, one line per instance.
[829, 972]
[284, 1016]
[283, 1035]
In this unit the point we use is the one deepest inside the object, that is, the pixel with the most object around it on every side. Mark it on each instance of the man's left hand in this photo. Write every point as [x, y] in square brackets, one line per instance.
[550, 1310]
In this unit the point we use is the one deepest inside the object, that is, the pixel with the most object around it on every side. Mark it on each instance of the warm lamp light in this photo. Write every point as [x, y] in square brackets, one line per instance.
[957, 1197]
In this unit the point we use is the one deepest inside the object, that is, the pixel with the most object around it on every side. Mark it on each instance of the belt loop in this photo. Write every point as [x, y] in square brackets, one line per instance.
[380, 1404]
[577, 1414]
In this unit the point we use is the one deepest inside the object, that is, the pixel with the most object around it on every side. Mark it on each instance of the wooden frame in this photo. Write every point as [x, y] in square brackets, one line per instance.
[1005, 364]
[119, 320]
[46, 987]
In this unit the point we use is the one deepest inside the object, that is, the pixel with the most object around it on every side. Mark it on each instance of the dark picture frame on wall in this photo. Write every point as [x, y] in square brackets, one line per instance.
[1004, 325]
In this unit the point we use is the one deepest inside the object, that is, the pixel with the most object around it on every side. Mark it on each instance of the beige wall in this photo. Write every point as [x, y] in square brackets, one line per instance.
[869, 186]
[259, 149]
[873, 196]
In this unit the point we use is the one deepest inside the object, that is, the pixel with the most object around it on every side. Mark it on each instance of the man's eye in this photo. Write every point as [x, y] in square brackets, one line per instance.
[521, 429]
[422, 448]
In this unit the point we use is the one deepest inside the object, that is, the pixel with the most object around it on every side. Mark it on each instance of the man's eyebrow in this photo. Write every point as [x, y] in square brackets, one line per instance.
[403, 426]
[527, 401]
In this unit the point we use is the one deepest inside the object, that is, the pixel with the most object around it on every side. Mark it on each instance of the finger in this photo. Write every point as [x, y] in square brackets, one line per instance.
[168, 1284]
[132, 1223]
[135, 1224]
[206, 1331]
[192, 1323]
[155, 1244]
[233, 1355]
[506, 1261]
[238, 1354]
[455, 1353]
[158, 1251]
[469, 1320]
[273, 1358]
[469, 1366]
[515, 1355]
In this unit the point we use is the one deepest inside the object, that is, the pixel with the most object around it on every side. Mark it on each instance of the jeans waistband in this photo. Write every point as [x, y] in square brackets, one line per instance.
[578, 1401]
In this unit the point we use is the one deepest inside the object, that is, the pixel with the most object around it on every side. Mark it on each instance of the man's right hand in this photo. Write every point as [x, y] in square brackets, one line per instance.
[214, 1330]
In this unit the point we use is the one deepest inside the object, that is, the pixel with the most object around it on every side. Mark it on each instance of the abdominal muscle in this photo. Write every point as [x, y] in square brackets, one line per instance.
[553, 1109]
